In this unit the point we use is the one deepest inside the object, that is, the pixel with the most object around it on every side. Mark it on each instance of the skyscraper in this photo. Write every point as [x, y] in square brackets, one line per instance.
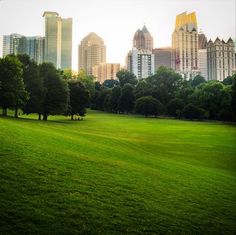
[140, 62]
[35, 48]
[143, 39]
[58, 40]
[202, 40]
[220, 59]
[92, 51]
[202, 63]
[185, 45]
[6, 45]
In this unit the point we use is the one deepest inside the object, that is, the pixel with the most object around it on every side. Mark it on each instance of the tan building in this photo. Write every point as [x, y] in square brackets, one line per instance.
[58, 40]
[162, 57]
[143, 39]
[220, 59]
[92, 52]
[185, 45]
[105, 71]
[202, 41]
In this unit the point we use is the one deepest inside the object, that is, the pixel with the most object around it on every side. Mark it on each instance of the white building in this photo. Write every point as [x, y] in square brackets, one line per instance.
[140, 62]
[202, 63]
[220, 59]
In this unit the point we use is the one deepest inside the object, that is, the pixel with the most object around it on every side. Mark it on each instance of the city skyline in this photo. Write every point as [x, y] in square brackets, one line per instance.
[119, 20]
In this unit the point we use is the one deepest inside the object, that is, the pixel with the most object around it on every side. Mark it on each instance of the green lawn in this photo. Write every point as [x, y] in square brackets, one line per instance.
[117, 174]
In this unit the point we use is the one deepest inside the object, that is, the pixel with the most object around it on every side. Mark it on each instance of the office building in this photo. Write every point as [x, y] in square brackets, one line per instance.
[202, 63]
[185, 45]
[162, 57]
[92, 52]
[58, 40]
[220, 59]
[105, 71]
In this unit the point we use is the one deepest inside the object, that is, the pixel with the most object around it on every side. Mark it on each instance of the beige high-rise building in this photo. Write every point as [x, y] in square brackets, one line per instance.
[58, 40]
[202, 63]
[92, 52]
[185, 45]
[220, 59]
[105, 71]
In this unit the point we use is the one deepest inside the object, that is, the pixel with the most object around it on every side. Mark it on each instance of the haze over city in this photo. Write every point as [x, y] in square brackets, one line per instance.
[117, 21]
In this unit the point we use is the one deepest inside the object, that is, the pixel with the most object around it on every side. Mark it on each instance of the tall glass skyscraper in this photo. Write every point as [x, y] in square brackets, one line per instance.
[58, 40]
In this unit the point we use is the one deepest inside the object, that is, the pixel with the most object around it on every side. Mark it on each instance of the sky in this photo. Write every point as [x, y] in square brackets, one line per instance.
[116, 21]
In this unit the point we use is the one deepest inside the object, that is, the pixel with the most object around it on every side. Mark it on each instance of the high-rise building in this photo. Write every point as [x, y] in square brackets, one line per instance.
[220, 59]
[19, 44]
[202, 40]
[140, 62]
[185, 45]
[162, 57]
[143, 39]
[105, 71]
[58, 40]
[202, 63]
[92, 51]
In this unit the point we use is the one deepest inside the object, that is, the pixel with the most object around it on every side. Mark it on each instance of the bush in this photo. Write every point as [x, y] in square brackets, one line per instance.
[147, 105]
[193, 112]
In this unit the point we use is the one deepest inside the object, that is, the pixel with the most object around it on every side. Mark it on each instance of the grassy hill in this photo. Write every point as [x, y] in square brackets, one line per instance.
[113, 174]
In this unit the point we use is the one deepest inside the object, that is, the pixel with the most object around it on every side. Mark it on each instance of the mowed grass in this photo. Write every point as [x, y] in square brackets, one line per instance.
[117, 174]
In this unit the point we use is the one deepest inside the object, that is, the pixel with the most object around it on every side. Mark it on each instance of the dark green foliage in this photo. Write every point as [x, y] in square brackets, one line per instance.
[148, 105]
[127, 99]
[228, 81]
[79, 98]
[197, 81]
[233, 94]
[56, 98]
[193, 112]
[165, 83]
[33, 84]
[125, 77]
[175, 107]
[142, 89]
[110, 83]
[114, 99]
[12, 88]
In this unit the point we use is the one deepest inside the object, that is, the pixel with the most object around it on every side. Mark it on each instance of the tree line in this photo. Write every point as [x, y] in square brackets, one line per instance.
[44, 90]
[40, 89]
[167, 93]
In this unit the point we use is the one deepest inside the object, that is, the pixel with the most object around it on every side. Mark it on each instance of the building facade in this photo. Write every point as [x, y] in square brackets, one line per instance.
[105, 71]
[185, 45]
[140, 62]
[202, 41]
[92, 52]
[143, 40]
[58, 40]
[202, 63]
[19, 44]
[220, 59]
[162, 57]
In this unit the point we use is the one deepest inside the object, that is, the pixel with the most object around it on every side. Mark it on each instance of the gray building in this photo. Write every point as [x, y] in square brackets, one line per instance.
[58, 40]
[220, 59]
[162, 57]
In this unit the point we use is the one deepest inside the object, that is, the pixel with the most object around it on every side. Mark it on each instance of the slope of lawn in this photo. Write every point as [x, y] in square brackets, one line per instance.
[117, 174]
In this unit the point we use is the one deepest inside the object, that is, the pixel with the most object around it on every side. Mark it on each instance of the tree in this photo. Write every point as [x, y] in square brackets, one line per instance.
[114, 99]
[56, 98]
[125, 77]
[33, 84]
[110, 83]
[175, 107]
[233, 95]
[165, 83]
[228, 81]
[126, 100]
[79, 98]
[142, 89]
[197, 80]
[191, 111]
[148, 105]
[12, 88]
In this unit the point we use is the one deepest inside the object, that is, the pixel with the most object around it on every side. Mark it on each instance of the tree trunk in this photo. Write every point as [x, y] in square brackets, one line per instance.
[16, 112]
[5, 111]
[39, 116]
[72, 117]
[45, 117]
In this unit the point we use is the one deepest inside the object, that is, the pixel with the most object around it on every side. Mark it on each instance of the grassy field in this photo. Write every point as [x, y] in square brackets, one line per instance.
[113, 174]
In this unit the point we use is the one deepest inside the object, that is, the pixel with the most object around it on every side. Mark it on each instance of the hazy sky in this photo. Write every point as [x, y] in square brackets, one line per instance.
[117, 20]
